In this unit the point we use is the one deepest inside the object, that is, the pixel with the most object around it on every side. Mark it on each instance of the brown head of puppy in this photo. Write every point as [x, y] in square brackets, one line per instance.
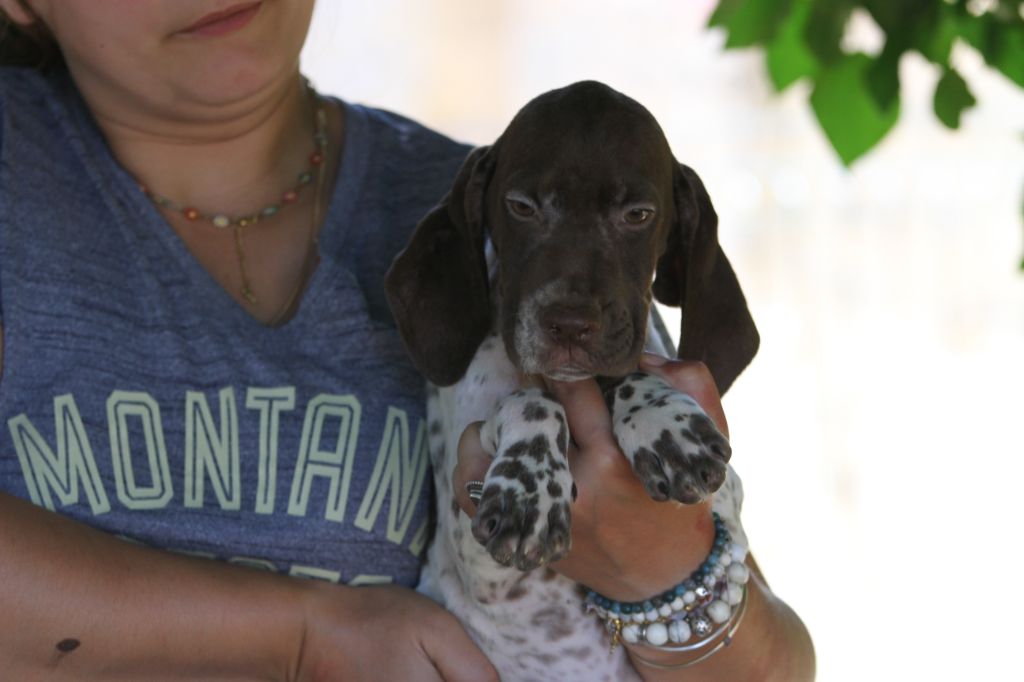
[585, 206]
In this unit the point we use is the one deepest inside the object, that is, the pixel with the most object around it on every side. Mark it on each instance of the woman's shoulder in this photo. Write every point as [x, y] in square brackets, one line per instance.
[16, 87]
[394, 171]
[408, 152]
[25, 88]
[30, 102]
[402, 164]
[407, 133]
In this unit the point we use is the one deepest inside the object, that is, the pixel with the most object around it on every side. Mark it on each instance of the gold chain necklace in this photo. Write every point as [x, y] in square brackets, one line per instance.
[313, 242]
[315, 175]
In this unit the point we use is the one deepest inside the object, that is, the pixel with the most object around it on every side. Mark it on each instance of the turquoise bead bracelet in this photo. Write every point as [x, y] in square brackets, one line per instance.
[689, 584]
[693, 607]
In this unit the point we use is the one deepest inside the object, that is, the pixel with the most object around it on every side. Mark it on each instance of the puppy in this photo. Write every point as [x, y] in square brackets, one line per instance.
[542, 260]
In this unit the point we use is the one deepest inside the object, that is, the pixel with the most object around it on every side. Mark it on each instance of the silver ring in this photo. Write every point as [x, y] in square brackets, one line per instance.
[475, 490]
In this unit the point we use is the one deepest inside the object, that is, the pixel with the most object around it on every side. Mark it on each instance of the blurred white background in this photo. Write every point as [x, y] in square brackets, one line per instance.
[879, 431]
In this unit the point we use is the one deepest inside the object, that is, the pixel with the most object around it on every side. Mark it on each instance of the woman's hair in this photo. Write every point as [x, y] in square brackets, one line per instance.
[31, 46]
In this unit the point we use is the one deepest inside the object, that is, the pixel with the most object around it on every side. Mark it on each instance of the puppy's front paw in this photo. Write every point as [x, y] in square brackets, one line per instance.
[523, 518]
[675, 449]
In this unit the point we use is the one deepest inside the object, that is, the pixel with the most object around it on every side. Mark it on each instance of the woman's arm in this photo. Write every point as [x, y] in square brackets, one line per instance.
[79, 604]
[83, 605]
[771, 645]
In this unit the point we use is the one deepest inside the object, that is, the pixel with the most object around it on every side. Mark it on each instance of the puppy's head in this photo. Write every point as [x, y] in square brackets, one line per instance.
[584, 204]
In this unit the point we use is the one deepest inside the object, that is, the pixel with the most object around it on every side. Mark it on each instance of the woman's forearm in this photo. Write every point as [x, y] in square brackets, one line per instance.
[80, 604]
[771, 645]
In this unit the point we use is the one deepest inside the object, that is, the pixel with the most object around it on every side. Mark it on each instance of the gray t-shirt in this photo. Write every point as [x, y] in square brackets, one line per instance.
[139, 398]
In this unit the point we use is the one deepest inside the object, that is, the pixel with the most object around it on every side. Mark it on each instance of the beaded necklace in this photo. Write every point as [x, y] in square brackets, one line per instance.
[313, 174]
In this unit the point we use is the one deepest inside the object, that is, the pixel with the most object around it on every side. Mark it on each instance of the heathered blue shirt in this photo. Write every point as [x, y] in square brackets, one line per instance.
[139, 398]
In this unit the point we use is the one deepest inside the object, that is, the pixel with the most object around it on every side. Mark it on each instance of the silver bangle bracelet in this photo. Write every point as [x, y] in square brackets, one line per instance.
[724, 642]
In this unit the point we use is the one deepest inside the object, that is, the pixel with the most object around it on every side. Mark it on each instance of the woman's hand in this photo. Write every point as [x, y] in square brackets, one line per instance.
[384, 633]
[624, 545]
[628, 547]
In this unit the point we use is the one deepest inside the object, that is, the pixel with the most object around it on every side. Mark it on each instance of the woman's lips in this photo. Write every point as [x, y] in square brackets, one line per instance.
[225, 21]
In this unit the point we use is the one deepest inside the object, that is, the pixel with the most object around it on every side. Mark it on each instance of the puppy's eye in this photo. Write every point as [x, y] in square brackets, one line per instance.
[638, 215]
[520, 208]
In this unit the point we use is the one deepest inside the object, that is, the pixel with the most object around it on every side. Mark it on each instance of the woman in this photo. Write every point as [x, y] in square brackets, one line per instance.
[197, 355]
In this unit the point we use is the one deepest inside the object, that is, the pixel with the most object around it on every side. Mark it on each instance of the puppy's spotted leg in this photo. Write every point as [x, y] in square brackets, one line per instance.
[523, 517]
[674, 447]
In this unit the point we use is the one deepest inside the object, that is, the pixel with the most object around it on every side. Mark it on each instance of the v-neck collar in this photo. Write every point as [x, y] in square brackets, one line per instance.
[158, 242]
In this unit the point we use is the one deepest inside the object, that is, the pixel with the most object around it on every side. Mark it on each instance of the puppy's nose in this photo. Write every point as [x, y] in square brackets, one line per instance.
[565, 324]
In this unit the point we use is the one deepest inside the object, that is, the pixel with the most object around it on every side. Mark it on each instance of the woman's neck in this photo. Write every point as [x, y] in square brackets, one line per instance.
[234, 162]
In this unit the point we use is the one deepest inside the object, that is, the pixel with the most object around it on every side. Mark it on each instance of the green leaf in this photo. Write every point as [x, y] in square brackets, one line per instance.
[1011, 54]
[723, 13]
[883, 75]
[824, 29]
[969, 27]
[902, 16]
[936, 44]
[787, 56]
[952, 97]
[929, 26]
[1000, 42]
[846, 110]
[750, 22]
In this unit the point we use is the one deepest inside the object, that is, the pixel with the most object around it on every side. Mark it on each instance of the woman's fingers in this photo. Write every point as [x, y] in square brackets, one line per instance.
[472, 466]
[589, 421]
[397, 633]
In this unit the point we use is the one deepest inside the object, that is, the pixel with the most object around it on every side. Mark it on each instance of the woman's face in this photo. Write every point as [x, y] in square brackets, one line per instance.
[178, 58]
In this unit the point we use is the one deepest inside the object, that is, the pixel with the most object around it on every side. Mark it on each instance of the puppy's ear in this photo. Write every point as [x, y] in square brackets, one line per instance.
[437, 286]
[695, 275]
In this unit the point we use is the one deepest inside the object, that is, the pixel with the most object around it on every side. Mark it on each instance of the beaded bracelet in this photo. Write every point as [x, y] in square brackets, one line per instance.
[693, 607]
[733, 625]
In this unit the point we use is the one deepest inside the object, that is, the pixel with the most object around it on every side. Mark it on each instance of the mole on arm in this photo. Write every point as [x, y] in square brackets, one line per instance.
[64, 647]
